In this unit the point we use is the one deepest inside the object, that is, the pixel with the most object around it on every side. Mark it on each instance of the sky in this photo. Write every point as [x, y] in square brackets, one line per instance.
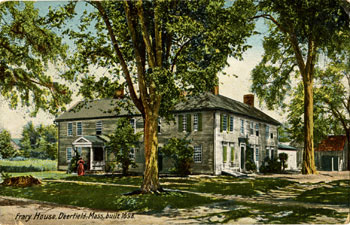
[230, 86]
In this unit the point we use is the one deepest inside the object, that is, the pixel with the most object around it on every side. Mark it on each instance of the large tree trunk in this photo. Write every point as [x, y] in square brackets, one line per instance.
[347, 153]
[308, 166]
[150, 179]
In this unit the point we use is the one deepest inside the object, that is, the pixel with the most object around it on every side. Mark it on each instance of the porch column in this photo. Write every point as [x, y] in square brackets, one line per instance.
[91, 157]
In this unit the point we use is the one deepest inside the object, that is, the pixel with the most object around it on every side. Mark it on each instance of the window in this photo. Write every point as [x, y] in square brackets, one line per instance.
[69, 154]
[242, 126]
[132, 154]
[98, 153]
[159, 125]
[224, 153]
[267, 152]
[251, 128]
[257, 153]
[224, 122]
[70, 129]
[272, 153]
[267, 131]
[231, 123]
[79, 129]
[98, 127]
[133, 124]
[197, 155]
[257, 129]
[271, 135]
[195, 122]
[184, 123]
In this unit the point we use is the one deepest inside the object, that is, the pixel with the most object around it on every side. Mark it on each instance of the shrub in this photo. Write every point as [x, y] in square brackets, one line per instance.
[270, 166]
[111, 166]
[249, 164]
[283, 158]
[182, 154]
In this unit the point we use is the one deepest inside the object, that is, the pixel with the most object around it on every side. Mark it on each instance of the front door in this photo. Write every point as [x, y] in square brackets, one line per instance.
[242, 156]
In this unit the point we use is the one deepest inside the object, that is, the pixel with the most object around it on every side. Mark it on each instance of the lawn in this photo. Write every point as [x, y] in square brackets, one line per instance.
[108, 179]
[29, 165]
[44, 174]
[273, 214]
[335, 193]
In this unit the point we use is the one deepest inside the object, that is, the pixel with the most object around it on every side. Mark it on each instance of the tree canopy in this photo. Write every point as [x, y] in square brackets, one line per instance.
[27, 46]
[298, 32]
[156, 49]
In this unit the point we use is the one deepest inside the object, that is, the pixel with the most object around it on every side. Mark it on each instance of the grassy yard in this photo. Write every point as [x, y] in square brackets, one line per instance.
[104, 197]
[336, 193]
[274, 214]
[29, 165]
[44, 174]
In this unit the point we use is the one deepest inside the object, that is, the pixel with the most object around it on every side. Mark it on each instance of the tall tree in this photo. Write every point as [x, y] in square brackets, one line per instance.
[159, 48]
[6, 148]
[27, 47]
[298, 31]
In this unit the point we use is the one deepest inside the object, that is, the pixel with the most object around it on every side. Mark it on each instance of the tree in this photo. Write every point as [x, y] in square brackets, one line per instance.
[122, 142]
[40, 141]
[298, 32]
[283, 159]
[27, 47]
[180, 151]
[6, 148]
[160, 48]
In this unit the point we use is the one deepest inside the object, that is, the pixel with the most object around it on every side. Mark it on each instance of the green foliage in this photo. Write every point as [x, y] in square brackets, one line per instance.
[6, 148]
[249, 164]
[122, 142]
[111, 166]
[283, 159]
[73, 166]
[31, 165]
[5, 175]
[27, 48]
[181, 153]
[40, 141]
[270, 166]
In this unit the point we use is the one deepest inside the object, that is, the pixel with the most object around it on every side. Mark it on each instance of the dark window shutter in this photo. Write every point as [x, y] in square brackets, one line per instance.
[221, 122]
[188, 123]
[232, 154]
[225, 153]
[228, 123]
[180, 123]
[199, 121]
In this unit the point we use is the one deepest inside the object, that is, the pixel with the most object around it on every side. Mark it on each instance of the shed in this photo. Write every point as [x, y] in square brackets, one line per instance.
[292, 155]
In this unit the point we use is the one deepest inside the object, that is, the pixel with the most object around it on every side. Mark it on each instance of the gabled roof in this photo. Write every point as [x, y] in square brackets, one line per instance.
[205, 102]
[286, 147]
[332, 143]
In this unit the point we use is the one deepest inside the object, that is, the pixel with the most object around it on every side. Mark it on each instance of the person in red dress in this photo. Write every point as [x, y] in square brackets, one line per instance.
[80, 167]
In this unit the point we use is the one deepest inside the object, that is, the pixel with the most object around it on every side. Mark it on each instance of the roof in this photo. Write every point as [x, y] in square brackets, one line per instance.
[94, 139]
[285, 147]
[332, 143]
[102, 108]
[204, 102]
[17, 141]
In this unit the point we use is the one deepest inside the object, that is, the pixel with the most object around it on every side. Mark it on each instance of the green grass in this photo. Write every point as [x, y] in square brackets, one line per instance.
[275, 214]
[108, 179]
[104, 197]
[43, 175]
[30, 165]
[227, 185]
[338, 194]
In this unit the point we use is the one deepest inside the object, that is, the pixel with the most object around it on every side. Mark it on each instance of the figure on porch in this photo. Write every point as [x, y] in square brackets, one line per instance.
[80, 167]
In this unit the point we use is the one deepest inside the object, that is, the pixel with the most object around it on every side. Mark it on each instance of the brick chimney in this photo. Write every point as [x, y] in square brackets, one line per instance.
[119, 93]
[249, 99]
[216, 90]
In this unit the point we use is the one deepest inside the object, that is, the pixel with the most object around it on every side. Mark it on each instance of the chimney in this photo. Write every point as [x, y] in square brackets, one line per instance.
[119, 93]
[216, 90]
[249, 99]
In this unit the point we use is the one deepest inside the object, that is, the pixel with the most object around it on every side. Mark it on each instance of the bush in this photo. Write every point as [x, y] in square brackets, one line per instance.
[249, 164]
[73, 166]
[270, 166]
[283, 158]
[110, 166]
[181, 153]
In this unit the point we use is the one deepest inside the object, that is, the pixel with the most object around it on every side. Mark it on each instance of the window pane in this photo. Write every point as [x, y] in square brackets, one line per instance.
[195, 122]
[224, 125]
[70, 129]
[79, 128]
[242, 126]
[231, 123]
[98, 127]
[197, 155]
[69, 153]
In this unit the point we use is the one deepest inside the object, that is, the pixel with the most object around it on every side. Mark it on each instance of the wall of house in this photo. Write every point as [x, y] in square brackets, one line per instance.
[237, 139]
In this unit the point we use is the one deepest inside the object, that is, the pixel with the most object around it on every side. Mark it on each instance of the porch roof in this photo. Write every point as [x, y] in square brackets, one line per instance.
[89, 140]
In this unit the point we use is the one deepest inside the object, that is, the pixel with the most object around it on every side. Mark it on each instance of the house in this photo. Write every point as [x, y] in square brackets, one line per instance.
[221, 131]
[332, 154]
[292, 155]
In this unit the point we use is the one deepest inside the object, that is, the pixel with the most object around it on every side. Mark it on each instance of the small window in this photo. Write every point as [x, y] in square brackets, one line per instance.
[79, 129]
[132, 154]
[98, 127]
[69, 154]
[242, 126]
[268, 152]
[257, 129]
[231, 123]
[184, 124]
[257, 153]
[195, 122]
[267, 131]
[224, 122]
[133, 124]
[197, 155]
[70, 129]
[251, 130]
[271, 135]
[79, 150]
